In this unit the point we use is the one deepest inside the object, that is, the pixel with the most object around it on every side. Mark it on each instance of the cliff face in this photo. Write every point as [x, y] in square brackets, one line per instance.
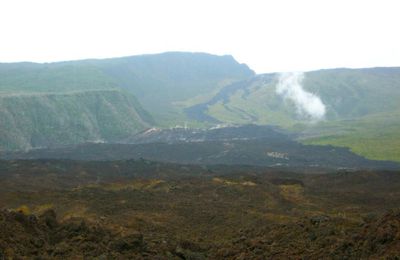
[52, 119]
[65, 103]
[163, 83]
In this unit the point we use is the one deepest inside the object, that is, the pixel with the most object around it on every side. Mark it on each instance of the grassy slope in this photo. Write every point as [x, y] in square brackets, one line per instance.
[75, 101]
[51, 78]
[370, 98]
[167, 83]
[347, 94]
[36, 120]
[354, 93]
[250, 106]
[64, 103]
[361, 105]
[375, 137]
[163, 83]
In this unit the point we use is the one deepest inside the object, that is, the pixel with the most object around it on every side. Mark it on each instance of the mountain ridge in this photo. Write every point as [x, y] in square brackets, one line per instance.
[201, 90]
[120, 80]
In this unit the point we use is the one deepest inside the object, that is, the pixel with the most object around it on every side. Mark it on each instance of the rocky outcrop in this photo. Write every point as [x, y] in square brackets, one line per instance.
[28, 236]
[319, 237]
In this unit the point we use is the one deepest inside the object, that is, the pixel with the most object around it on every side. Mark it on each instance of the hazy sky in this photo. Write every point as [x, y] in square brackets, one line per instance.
[279, 35]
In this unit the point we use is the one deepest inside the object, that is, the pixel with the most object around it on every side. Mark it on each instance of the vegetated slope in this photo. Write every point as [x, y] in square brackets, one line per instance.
[250, 101]
[27, 77]
[346, 93]
[375, 137]
[246, 145]
[362, 108]
[159, 81]
[143, 209]
[35, 120]
[353, 93]
[53, 104]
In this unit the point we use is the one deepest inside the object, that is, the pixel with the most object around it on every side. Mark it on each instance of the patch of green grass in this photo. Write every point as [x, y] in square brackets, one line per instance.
[385, 147]
[374, 137]
[258, 105]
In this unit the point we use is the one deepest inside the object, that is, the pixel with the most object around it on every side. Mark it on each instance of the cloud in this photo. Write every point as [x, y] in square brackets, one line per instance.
[308, 105]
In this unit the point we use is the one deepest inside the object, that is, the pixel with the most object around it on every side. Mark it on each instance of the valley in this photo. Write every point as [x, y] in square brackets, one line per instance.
[203, 90]
[240, 145]
[185, 155]
[199, 130]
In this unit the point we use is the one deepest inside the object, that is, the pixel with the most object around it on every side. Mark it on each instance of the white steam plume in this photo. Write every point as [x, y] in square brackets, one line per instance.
[307, 104]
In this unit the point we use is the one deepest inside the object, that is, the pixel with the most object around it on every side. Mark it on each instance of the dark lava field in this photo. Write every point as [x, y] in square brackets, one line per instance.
[140, 209]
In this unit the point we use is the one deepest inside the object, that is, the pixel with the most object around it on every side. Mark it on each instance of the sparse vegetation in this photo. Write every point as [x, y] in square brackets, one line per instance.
[142, 209]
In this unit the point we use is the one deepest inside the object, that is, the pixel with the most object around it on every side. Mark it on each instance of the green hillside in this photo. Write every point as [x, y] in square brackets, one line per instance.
[161, 82]
[346, 93]
[60, 103]
[374, 137]
[158, 80]
[40, 120]
[251, 101]
[361, 108]
[354, 93]
[52, 77]
[107, 99]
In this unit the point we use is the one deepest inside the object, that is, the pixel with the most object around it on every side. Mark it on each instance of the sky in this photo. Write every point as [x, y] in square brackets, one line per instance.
[269, 36]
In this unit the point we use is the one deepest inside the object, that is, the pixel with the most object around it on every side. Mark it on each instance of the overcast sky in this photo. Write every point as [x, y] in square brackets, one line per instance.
[269, 36]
